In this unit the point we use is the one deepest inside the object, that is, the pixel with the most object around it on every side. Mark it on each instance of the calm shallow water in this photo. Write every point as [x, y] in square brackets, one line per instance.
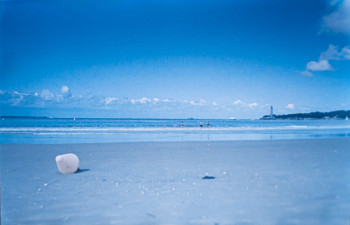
[88, 130]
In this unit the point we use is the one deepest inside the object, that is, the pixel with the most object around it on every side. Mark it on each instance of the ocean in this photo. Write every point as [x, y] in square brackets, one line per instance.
[30, 130]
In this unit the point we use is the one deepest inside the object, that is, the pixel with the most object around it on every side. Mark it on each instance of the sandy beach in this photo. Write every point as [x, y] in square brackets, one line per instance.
[175, 112]
[256, 182]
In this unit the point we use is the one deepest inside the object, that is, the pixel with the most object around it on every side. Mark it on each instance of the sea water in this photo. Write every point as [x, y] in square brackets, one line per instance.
[27, 130]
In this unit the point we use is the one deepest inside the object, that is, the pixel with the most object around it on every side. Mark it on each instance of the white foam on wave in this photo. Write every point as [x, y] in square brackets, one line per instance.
[83, 130]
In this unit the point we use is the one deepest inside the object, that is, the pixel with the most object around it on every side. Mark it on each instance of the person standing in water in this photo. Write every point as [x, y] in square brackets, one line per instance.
[208, 124]
[201, 124]
[182, 123]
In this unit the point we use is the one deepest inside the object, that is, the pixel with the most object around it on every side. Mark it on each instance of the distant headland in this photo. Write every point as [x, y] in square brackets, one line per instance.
[340, 114]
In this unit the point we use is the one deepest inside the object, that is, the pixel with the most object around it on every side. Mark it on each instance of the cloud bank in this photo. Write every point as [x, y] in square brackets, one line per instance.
[70, 104]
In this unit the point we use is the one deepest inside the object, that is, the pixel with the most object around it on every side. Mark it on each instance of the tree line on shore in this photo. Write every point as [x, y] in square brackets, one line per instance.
[340, 114]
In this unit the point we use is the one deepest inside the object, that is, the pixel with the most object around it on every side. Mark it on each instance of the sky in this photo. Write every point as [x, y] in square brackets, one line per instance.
[173, 59]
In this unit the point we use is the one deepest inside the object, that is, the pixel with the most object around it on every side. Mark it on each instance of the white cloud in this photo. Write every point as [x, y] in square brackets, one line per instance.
[290, 106]
[64, 89]
[46, 95]
[338, 21]
[322, 65]
[141, 100]
[166, 100]
[109, 100]
[244, 104]
[254, 104]
[197, 103]
[332, 53]
[214, 104]
[238, 102]
[15, 98]
[345, 53]
[145, 100]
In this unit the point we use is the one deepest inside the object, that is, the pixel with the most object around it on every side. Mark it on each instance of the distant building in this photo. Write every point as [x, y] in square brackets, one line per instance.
[269, 117]
[271, 111]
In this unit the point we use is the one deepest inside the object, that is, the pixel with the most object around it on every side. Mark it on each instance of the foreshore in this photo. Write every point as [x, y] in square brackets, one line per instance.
[256, 182]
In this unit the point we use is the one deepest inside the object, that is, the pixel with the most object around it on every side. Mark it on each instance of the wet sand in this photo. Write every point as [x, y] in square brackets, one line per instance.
[255, 182]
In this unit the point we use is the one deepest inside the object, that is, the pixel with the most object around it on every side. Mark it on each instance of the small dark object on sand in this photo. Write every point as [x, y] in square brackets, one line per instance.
[208, 177]
[82, 170]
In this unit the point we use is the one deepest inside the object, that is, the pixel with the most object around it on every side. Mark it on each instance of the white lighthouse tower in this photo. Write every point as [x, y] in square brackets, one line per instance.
[269, 117]
[271, 111]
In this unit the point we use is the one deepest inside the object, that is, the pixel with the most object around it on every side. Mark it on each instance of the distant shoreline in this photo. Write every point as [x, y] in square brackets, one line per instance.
[340, 114]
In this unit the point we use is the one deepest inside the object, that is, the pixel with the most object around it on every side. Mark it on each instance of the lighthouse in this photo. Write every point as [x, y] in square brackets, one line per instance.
[269, 117]
[271, 111]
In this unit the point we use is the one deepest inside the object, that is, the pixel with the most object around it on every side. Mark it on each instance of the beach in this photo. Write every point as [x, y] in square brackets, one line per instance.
[256, 182]
[175, 112]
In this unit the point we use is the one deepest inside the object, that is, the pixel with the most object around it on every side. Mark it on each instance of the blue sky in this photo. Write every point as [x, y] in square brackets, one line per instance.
[174, 59]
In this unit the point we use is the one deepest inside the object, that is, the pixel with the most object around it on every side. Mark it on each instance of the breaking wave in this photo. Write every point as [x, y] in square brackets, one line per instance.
[91, 130]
